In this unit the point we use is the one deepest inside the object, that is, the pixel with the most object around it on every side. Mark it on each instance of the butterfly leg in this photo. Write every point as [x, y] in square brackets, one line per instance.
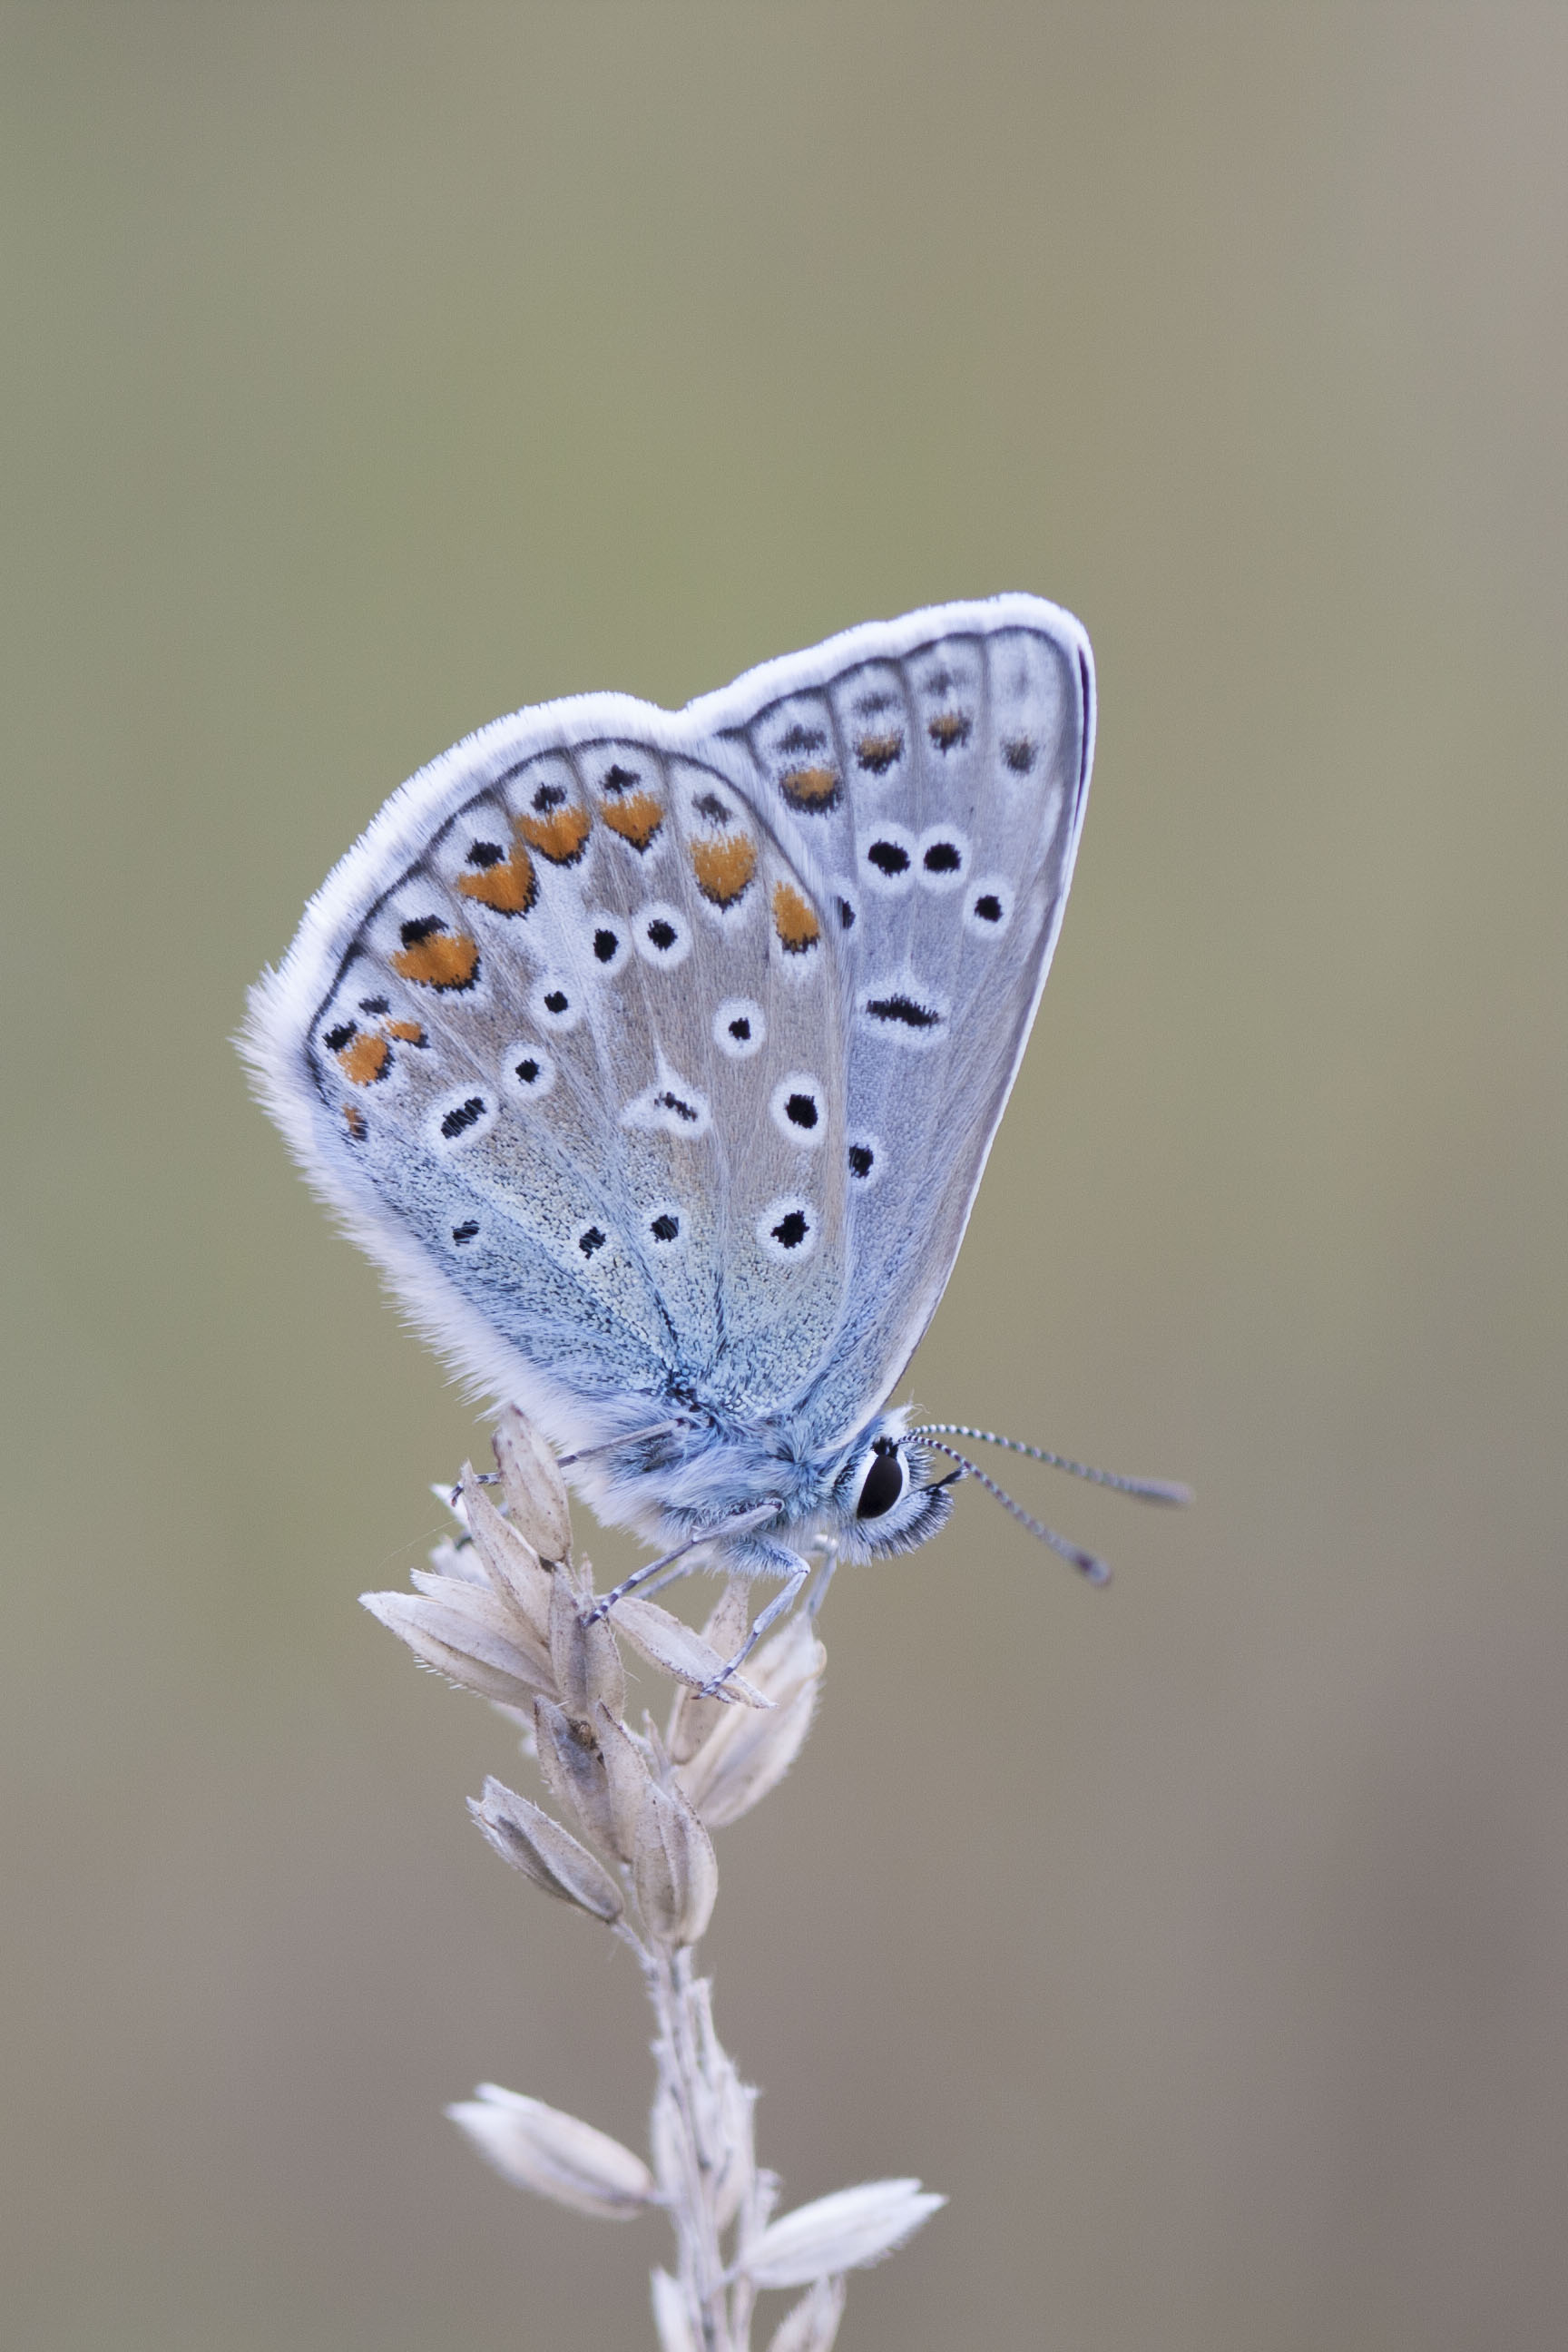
[824, 1576]
[741, 1524]
[795, 1570]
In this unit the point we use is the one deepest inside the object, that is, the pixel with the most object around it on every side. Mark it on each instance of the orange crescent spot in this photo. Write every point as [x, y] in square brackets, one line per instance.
[441, 960]
[508, 889]
[810, 788]
[637, 818]
[878, 752]
[794, 920]
[561, 835]
[407, 1033]
[364, 1059]
[724, 869]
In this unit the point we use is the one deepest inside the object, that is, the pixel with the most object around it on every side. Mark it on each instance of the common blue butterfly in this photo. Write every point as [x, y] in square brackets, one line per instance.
[655, 1057]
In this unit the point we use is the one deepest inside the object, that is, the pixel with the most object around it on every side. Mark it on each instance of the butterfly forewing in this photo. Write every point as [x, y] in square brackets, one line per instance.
[938, 798]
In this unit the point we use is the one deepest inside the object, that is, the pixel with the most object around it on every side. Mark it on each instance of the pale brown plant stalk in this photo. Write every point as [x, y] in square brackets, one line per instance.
[503, 1610]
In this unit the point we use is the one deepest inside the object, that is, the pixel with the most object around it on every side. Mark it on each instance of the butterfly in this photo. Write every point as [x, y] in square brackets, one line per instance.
[655, 1057]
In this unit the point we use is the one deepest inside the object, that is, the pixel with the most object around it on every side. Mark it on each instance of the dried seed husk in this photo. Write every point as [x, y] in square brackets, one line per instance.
[571, 1762]
[469, 1636]
[747, 1754]
[535, 1494]
[671, 2315]
[588, 1668]
[725, 1630]
[554, 2154]
[845, 2232]
[666, 1642]
[674, 1868]
[626, 1772]
[512, 1564]
[524, 1834]
[812, 2324]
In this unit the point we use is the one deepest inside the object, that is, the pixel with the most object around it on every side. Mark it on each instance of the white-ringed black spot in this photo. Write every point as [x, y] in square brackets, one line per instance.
[865, 1161]
[710, 806]
[665, 1227]
[942, 858]
[530, 1070]
[887, 859]
[799, 1110]
[739, 1028]
[592, 1240]
[1019, 753]
[466, 1230]
[786, 1230]
[462, 1117]
[606, 942]
[903, 1011]
[554, 1004]
[846, 914]
[484, 854]
[661, 936]
[988, 905]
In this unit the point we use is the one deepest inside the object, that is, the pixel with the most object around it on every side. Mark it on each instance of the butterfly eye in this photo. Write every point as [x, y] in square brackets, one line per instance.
[883, 1482]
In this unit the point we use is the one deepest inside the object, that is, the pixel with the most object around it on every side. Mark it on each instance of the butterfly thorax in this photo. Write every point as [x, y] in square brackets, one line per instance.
[872, 1493]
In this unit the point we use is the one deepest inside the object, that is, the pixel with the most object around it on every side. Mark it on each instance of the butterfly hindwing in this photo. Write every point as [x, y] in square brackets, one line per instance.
[657, 1054]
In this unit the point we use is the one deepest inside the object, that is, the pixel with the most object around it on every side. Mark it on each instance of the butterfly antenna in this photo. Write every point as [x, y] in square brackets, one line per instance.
[1086, 1562]
[1144, 1490]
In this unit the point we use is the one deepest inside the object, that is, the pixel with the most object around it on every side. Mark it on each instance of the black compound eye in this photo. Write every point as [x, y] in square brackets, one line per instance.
[884, 1481]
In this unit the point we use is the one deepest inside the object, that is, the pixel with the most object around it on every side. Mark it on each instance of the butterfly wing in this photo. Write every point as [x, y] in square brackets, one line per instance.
[931, 776]
[626, 1044]
[551, 1039]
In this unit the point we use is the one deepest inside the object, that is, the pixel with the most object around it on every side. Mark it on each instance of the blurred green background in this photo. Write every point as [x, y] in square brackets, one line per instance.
[369, 370]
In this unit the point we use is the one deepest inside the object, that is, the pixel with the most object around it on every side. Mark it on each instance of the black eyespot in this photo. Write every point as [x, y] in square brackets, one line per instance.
[618, 779]
[662, 935]
[683, 1110]
[422, 927]
[464, 1117]
[484, 854]
[740, 1029]
[791, 1229]
[883, 1482]
[591, 1241]
[942, 858]
[904, 1010]
[666, 1228]
[1019, 755]
[989, 907]
[467, 1230]
[862, 1160]
[846, 914]
[373, 1004]
[557, 1001]
[801, 1110]
[606, 942]
[527, 1072]
[549, 796]
[710, 806]
[802, 739]
[336, 1039]
[889, 857]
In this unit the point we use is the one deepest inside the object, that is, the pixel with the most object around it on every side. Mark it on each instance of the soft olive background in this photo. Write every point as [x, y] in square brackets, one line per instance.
[371, 370]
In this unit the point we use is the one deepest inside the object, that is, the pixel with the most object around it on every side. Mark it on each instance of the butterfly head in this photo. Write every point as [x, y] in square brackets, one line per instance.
[890, 1493]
